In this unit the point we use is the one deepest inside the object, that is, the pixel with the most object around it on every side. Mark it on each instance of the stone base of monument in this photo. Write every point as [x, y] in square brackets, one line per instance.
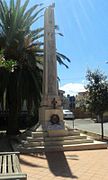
[52, 121]
[40, 141]
[55, 133]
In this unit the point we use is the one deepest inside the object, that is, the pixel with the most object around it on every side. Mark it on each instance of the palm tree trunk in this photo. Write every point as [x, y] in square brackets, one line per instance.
[12, 123]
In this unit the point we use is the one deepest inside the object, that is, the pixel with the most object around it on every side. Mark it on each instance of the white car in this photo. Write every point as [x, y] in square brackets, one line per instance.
[67, 114]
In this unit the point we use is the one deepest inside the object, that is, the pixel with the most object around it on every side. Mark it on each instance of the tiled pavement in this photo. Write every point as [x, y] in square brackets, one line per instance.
[78, 165]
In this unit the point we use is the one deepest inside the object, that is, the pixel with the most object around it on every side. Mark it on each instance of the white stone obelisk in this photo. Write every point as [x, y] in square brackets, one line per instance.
[50, 64]
[51, 103]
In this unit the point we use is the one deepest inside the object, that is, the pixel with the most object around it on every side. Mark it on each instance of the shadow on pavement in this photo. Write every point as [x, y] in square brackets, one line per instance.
[58, 164]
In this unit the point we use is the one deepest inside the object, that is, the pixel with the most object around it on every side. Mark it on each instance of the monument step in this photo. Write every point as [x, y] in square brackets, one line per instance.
[45, 133]
[55, 143]
[72, 133]
[30, 139]
[72, 147]
[38, 139]
[39, 134]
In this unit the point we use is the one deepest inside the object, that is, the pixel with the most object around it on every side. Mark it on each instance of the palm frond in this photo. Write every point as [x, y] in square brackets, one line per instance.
[61, 62]
[23, 8]
[61, 58]
[12, 5]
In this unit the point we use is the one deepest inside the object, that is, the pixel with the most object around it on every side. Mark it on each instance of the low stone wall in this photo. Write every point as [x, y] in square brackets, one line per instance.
[82, 114]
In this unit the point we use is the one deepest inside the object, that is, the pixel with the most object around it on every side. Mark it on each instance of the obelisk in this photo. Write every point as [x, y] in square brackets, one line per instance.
[50, 113]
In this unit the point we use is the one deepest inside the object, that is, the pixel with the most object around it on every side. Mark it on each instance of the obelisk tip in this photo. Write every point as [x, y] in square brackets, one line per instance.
[53, 5]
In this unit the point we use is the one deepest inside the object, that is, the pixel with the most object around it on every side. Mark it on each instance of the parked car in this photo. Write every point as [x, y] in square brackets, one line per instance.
[67, 114]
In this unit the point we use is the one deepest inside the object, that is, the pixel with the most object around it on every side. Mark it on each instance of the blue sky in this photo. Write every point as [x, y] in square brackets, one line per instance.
[84, 24]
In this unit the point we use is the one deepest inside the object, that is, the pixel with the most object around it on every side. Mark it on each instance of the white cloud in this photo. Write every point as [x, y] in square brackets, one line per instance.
[73, 88]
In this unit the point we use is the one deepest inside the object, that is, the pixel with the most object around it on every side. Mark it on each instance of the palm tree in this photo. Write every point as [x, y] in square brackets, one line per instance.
[22, 54]
[22, 50]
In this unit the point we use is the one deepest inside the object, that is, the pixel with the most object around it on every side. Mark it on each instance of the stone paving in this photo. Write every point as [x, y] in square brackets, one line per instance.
[78, 165]
[81, 165]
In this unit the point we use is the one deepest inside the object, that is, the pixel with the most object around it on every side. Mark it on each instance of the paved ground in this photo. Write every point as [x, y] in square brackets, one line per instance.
[78, 165]
[81, 165]
[88, 125]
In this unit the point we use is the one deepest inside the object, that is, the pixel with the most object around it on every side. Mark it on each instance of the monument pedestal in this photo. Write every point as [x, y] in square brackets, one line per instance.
[52, 121]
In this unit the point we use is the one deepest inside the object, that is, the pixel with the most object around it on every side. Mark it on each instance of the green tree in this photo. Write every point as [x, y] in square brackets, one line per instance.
[97, 88]
[21, 52]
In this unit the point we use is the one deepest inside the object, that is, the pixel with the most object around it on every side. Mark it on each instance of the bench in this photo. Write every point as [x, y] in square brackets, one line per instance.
[10, 166]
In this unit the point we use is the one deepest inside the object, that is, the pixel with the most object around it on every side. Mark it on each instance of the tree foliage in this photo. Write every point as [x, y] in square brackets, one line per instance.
[97, 88]
[21, 52]
[98, 95]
